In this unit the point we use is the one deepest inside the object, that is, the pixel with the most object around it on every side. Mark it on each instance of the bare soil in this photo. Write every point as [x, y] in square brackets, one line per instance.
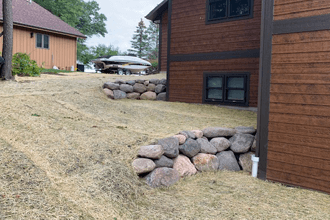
[66, 150]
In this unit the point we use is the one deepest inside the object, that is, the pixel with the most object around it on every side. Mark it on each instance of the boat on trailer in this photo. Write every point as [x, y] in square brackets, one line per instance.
[123, 65]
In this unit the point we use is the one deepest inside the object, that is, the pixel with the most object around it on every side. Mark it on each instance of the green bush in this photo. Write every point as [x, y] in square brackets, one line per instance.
[24, 66]
[154, 64]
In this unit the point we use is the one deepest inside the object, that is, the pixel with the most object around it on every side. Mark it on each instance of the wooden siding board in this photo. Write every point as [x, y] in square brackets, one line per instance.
[191, 35]
[302, 130]
[299, 109]
[312, 120]
[297, 9]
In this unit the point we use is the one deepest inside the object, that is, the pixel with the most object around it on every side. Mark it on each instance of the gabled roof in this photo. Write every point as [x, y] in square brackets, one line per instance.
[34, 16]
[156, 13]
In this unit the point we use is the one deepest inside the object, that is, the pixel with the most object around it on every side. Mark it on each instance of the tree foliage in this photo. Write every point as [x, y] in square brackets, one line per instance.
[97, 51]
[140, 41]
[153, 41]
[80, 14]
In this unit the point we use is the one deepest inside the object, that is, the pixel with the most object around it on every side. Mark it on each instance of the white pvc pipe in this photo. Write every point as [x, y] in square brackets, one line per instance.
[255, 165]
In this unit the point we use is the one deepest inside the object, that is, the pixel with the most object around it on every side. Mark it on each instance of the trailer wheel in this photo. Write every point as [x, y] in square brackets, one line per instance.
[120, 72]
[128, 72]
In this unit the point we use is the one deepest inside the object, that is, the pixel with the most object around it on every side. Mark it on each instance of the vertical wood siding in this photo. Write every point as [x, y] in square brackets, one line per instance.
[186, 81]
[163, 56]
[190, 34]
[299, 118]
[61, 53]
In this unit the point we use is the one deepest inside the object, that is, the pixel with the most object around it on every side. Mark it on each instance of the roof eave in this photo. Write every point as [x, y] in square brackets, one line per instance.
[48, 30]
[156, 13]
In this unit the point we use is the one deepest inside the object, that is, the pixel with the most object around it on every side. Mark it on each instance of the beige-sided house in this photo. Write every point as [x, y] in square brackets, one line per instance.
[45, 37]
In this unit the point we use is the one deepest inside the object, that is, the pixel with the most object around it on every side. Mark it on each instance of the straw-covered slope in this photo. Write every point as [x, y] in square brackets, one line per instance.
[66, 153]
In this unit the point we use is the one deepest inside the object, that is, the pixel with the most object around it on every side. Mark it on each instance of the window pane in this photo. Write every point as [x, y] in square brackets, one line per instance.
[239, 7]
[214, 94]
[214, 82]
[235, 82]
[39, 40]
[46, 41]
[236, 95]
[218, 9]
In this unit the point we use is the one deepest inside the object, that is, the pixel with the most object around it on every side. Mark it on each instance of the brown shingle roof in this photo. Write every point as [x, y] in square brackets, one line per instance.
[35, 16]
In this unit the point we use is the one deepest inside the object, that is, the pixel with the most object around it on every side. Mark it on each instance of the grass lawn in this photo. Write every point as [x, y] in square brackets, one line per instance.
[66, 153]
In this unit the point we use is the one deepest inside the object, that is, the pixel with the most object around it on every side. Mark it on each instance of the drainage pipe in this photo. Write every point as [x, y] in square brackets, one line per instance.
[255, 165]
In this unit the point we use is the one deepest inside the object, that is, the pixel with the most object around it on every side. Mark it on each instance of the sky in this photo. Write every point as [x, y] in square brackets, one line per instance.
[122, 19]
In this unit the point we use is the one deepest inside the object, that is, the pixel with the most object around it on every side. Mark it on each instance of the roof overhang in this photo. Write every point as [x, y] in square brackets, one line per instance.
[46, 30]
[157, 12]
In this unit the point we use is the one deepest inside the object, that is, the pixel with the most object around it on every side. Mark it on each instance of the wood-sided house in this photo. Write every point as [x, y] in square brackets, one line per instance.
[212, 48]
[45, 37]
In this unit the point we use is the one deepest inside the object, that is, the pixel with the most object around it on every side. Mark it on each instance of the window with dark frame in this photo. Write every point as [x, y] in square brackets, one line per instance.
[226, 88]
[42, 41]
[228, 9]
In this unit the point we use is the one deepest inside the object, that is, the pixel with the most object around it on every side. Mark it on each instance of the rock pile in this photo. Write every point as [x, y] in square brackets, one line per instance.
[153, 89]
[184, 154]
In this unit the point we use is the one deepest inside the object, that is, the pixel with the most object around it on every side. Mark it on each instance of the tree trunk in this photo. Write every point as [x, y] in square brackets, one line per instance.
[7, 51]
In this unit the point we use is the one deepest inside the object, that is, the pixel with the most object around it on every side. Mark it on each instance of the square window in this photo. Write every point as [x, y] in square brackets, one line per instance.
[39, 40]
[226, 10]
[226, 88]
[239, 7]
[218, 9]
[46, 41]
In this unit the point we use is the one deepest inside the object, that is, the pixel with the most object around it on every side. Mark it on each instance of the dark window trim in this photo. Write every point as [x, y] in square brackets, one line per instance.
[246, 75]
[42, 41]
[228, 19]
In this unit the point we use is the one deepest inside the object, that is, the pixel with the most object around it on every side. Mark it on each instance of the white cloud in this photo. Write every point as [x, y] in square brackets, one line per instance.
[123, 17]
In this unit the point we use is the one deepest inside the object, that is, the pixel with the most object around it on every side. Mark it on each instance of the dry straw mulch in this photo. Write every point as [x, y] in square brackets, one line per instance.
[66, 149]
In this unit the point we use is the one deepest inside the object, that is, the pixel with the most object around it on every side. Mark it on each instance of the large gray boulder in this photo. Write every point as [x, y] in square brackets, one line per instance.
[151, 151]
[110, 85]
[143, 165]
[154, 81]
[246, 162]
[130, 82]
[205, 162]
[227, 161]
[148, 96]
[118, 94]
[245, 130]
[164, 162]
[140, 81]
[162, 176]
[190, 148]
[162, 81]
[108, 92]
[183, 165]
[161, 96]
[151, 87]
[170, 146]
[220, 143]
[241, 143]
[126, 88]
[254, 144]
[140, 88]
[133, 95]
[146, 83]
[206, 146]
[160, 88]
[212, 132]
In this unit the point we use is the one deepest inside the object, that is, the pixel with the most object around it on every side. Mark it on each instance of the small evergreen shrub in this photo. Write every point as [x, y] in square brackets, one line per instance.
[24, 66]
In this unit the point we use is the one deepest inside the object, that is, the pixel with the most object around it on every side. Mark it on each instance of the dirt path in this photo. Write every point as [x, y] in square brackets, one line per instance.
[66, 150]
